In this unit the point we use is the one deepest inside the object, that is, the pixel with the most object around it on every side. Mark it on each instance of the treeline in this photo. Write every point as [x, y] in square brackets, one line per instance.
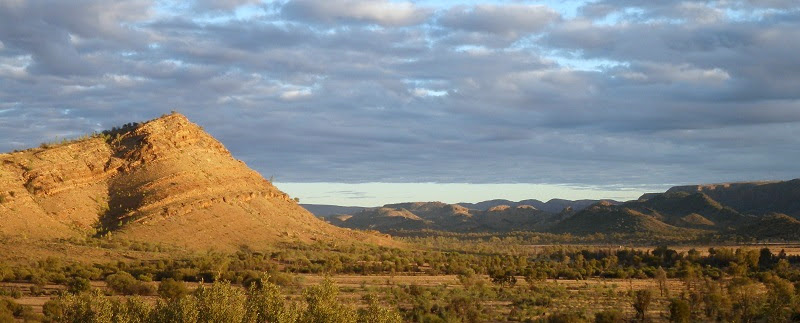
[449, 238]
[553, 262]
[220, 301]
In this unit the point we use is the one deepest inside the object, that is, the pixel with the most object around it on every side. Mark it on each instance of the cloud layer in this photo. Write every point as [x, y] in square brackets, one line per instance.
[617, 93]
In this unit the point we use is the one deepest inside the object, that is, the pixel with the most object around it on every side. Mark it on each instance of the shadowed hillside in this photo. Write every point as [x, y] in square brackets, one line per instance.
[164, 181]
[759, 198]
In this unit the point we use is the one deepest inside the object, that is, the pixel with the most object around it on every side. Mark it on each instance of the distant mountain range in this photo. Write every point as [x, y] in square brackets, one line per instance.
[761, 210]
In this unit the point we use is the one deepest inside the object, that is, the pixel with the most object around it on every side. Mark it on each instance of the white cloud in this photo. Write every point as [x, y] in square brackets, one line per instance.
[295, 94]
[381, 12]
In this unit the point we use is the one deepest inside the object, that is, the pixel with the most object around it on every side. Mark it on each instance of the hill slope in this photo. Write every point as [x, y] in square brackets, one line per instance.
[606, 218]
[758, 198]
[162, 181]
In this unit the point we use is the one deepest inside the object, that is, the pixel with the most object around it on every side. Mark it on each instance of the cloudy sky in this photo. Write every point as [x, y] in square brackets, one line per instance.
[603, 98]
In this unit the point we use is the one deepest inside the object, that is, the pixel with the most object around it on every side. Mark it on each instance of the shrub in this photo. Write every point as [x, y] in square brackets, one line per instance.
[77, 285]
[179, 310]
[376, 313]
[172, 289]
[608, 316]
[641, 301]
[124, 283]
[131, 310]
[220, 303]
[323, 305]
[84, 307]
[13, 292]
[266, 304]
[565, 318]
[679, 311]
[9, 311]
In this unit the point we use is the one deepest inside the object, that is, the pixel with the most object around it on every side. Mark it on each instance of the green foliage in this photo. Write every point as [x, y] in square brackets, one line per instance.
[172, 289]
[566, 317]
[780, 299]
[179, 310]
[376, 313]
[323, 306]
[13, 292]
[609, 316]
[11, 311]
[679, 311]
[266, 304]
[84, 307]
[77, 285]
[641, 302]
[220, 302]
[746, 299]
[125, 284]
[131, 310]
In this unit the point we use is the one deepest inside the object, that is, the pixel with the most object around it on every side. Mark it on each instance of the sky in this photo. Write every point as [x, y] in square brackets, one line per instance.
[357, 102]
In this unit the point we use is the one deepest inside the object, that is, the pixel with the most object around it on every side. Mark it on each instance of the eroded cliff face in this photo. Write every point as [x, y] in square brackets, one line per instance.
[162, 181]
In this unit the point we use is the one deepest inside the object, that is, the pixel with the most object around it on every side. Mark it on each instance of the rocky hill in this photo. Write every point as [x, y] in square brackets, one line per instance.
[447, 217]
[164, 181]
[552, 205]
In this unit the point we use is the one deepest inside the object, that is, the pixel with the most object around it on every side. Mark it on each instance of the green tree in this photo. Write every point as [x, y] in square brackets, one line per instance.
[84, 307]
[323, 306]
[77, 285]
[179, 310]
[131, 310]
[266, 304]
[375, 313]
[641, 302]
[661, 279]
[220, 302]
[679, 311]
[780, 299]
[125, 284]
[172, 289]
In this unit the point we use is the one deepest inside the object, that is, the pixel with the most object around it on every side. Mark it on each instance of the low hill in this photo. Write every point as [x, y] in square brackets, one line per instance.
[326, 211]
[447, 217]
[164, 181]
[757, 198]
[383, 219]
[693, 210]
[607, 219]
[552, 205]
[773, 227]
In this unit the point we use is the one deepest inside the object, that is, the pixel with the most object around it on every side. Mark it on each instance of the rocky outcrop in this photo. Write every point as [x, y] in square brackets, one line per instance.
[165, 181]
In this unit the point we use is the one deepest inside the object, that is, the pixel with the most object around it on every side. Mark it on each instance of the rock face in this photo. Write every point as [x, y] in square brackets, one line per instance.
[163, 181]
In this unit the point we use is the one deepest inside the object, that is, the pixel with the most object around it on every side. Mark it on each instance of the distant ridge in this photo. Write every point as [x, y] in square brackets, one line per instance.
[326, 210]
[734, 209]
[552, 205]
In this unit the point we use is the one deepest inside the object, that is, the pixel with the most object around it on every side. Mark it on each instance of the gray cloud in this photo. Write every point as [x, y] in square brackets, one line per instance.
[626, 93]
[499, 19]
